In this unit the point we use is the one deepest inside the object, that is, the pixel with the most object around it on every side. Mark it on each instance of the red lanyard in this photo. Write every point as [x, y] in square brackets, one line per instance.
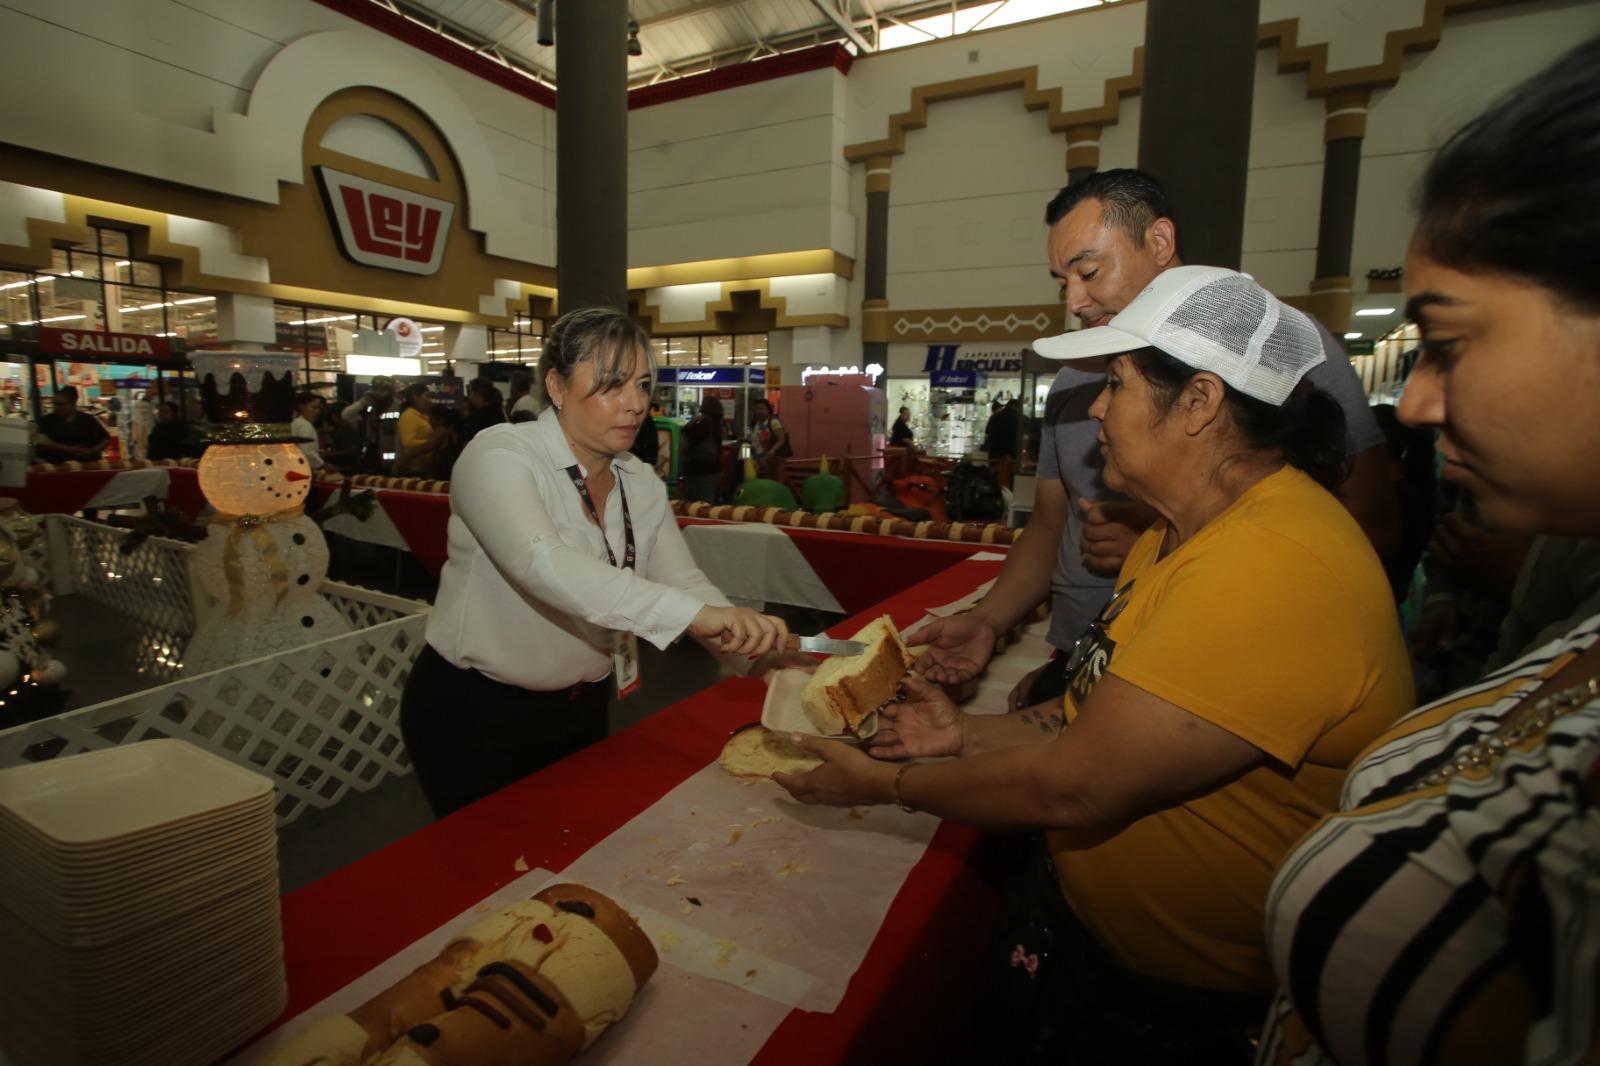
[629, 553]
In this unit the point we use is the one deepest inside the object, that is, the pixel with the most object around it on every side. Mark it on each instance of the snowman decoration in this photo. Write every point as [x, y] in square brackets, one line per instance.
[256, 575]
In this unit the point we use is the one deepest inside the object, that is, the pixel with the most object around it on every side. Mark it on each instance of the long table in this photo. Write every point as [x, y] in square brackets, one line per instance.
[909, 1000]
[857, 569]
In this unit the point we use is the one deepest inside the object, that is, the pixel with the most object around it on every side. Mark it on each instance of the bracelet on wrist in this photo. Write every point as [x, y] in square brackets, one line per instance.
[894, 789]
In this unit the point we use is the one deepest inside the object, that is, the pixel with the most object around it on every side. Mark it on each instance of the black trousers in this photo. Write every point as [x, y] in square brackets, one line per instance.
[469, 735]
[1054, 995]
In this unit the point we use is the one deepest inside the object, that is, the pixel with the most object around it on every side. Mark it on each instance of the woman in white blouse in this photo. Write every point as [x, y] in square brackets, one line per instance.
[563, 549]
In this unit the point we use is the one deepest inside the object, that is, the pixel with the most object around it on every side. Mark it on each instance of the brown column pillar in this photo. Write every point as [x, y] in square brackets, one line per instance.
[592, 154]
[1344, 126]
[875, 300]
[1194, 124]
[1083, 151]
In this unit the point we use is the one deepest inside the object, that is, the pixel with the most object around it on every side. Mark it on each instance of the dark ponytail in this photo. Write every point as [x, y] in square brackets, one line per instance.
[1308, 428]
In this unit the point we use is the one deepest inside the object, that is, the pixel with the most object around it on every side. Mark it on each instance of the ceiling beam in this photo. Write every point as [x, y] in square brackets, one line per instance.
[845, 25]
[696, 7]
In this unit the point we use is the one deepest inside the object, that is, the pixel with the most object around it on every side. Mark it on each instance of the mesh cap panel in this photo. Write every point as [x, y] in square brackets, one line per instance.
[1243, 334]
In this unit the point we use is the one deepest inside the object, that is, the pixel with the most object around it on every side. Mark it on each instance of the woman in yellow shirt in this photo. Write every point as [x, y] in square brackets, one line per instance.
[1251, 652]
[416, 436]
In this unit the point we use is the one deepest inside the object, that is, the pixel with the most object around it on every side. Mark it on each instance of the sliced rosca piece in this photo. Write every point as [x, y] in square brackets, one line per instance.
[846, 689]
[756, 751]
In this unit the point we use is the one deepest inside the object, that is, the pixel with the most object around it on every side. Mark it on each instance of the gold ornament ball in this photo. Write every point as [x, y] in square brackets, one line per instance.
[47, 633]
[258, 479]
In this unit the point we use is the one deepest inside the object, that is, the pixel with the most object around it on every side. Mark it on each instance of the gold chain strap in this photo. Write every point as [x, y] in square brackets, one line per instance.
[1533, 723]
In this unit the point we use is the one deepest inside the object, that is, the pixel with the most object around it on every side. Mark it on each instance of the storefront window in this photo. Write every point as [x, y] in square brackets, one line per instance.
[522, 343]
[683, 351]
[750, 349]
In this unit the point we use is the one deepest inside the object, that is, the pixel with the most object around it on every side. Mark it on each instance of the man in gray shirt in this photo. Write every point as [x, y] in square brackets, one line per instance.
[1110, 234]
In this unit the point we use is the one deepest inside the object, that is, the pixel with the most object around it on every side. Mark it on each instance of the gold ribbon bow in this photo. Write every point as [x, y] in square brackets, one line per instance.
[232, 566]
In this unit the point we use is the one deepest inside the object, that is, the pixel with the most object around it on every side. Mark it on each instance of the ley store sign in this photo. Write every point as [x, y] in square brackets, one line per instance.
[383, 226]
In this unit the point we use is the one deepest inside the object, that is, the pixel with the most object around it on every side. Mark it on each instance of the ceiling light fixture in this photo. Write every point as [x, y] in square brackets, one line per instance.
[546, 18]
[1374, 311]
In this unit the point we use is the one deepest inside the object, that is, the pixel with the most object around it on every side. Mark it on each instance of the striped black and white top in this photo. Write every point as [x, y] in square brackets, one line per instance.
[1458, 923]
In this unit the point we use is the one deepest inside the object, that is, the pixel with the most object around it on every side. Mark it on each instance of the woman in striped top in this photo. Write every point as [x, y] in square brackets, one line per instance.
[1449, 912]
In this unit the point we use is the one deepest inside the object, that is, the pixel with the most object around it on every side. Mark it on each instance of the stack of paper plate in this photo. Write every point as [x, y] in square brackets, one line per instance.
[138, 907]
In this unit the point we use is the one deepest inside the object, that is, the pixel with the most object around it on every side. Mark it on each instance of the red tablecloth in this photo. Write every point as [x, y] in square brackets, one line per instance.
[910, 999]
[59, 491]
[859, 569]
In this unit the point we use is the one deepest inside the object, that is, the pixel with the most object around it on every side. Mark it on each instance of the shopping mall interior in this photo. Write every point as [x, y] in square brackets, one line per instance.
[293, 372]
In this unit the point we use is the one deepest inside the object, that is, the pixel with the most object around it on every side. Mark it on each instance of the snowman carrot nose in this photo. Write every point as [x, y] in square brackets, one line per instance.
[295, 475]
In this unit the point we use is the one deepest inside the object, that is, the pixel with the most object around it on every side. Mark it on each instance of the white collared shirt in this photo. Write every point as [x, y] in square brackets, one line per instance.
[302, 428]
[527, 595]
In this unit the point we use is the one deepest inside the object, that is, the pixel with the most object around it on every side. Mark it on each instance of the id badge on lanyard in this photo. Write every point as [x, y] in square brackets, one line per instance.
[624, 645]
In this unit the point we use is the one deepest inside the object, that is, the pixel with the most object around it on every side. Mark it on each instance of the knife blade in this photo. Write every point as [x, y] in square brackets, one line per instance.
[824, 645]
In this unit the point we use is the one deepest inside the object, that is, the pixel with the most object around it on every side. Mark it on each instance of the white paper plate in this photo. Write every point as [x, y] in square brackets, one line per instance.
[188, 832]
[781, 712]
[83, 800]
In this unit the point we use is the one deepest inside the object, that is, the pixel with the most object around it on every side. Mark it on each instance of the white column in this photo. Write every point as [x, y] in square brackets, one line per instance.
[245, 320]
[465, 343]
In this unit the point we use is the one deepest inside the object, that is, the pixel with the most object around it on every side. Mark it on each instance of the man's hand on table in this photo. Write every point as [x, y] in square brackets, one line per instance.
[959, 647]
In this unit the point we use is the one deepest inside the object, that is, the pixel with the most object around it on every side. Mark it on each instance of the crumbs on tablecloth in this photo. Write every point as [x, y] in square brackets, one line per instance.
[668, 940]
[693, 900]
[733, 837]
[792, 868]
[674, 880]
[521, 865]
[858, 813]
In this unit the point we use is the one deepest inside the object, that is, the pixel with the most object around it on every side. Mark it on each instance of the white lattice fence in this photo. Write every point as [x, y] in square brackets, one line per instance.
[150, 584]
[322, 719]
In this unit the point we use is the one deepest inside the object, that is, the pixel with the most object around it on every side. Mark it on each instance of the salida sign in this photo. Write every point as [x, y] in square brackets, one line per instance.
[384, 226]
[92, 346]
[943, 357]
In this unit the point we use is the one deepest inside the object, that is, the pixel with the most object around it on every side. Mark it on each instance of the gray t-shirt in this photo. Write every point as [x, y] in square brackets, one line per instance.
[1068, 450]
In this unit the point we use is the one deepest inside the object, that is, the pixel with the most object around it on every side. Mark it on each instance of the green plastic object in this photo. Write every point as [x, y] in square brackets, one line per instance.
[821, 493]
[764, 492]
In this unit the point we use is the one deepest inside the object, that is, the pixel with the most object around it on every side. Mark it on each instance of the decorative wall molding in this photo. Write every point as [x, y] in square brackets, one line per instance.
[1284, 33]
[1033, 98]
[967, 324]
[650, 314]
[293, 235]
[1313, 58]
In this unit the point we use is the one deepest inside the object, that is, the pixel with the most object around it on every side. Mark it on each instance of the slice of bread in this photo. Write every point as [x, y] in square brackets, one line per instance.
[756, 751]
[847, 689]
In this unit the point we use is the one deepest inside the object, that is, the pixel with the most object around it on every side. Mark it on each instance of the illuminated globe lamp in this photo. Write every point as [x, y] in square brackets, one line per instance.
[256, 575]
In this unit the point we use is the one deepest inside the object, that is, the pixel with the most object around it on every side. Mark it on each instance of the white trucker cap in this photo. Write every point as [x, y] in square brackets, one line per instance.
[1211, 319]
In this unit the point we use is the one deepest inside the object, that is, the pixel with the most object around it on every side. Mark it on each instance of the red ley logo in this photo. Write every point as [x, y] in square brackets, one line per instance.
[382, 226]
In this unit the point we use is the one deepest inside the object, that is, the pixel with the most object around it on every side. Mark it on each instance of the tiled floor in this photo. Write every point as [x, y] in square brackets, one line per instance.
[98, 647]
